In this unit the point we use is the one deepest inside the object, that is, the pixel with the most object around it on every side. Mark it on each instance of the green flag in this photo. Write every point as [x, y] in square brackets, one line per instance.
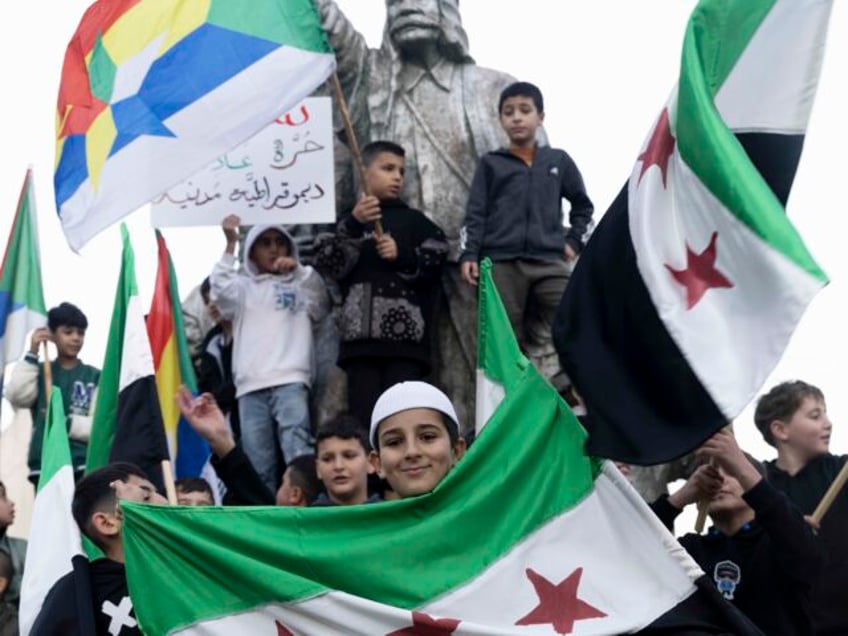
[524, 535]
[54, 537]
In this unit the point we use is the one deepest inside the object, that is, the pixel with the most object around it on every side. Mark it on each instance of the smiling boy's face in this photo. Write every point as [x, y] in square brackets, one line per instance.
[415, 451]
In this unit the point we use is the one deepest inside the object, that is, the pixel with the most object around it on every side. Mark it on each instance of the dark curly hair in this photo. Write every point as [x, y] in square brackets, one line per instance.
[781, 403]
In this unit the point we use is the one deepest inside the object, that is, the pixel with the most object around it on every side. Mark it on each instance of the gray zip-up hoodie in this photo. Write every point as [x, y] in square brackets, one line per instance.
[515, 210]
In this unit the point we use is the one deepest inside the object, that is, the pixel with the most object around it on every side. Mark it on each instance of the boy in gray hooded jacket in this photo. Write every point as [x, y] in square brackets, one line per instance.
[273, 304]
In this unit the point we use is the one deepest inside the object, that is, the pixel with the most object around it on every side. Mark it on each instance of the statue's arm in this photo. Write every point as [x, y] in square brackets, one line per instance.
[349, 45]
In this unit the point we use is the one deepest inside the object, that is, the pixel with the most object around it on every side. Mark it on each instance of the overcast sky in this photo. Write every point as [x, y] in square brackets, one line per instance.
[605, 66]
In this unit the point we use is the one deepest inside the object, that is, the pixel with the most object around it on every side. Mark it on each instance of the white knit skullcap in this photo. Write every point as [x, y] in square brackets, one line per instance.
[409, 395]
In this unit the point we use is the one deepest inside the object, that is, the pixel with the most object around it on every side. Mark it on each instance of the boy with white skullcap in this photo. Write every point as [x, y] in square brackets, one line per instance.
[415, 436]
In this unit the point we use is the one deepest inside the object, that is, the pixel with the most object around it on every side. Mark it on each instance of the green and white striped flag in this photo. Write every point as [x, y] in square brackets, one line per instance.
[526, 535]
[54, 537]
[499, 359]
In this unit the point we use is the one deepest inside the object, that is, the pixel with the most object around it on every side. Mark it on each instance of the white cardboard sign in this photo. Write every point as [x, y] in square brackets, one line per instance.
[283, 174]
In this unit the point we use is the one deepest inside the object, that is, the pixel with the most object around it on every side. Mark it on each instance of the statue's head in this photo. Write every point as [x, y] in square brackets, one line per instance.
[416, 23]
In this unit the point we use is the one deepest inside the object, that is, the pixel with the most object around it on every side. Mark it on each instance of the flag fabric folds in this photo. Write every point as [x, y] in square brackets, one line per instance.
[526, 535]
[127, 422]
[691, 286]
[22, 306]
[157, 90]
[54, 537]
[499, 359]
[172, 366]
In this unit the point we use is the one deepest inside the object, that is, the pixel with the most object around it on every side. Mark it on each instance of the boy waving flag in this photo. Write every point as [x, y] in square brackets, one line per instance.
[156, 90]
[688, 292]
[524, 535]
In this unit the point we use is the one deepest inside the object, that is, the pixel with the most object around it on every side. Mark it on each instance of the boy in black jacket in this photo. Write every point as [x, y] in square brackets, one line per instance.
[792, 417]
[96, 510]
[514, 214]
[389, 279]
[761, 553]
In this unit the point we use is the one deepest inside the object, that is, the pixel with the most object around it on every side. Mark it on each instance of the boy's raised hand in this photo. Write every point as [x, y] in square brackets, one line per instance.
[42, 334]
[702, 484]
[723, 450]
[470, 272]
[367, 210]
[285, 264]
[231, 224]
[386, 247]
[205, 417]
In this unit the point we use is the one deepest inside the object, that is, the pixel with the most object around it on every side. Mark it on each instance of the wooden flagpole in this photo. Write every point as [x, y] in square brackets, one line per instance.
[351, 141]
[48, 376]
[168, 479]
[830, 495]
[701, 521]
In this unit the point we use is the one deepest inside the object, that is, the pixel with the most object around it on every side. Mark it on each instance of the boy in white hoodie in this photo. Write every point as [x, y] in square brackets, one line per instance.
[273, 304]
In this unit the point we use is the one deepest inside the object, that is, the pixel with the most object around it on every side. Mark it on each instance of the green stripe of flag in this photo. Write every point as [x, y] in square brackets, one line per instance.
[21, 272]
[288, 22]
[54, 538]
[56, 451]
[717, 34]
[402, 553]
[498, 353]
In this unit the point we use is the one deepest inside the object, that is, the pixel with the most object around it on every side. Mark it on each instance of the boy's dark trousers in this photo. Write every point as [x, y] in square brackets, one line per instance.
[520, 280]
[368, 377]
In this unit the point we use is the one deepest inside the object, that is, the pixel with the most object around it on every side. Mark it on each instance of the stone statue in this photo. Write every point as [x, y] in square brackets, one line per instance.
[422, 89]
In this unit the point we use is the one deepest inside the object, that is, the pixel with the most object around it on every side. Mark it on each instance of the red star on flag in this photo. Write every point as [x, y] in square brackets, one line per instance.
[660, 147]
[558, 603]
[282, 630]
[424, 625]
[700, 273]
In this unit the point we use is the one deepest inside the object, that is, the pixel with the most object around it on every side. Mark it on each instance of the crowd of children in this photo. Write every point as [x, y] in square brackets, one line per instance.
[765, 557]
[400, 434]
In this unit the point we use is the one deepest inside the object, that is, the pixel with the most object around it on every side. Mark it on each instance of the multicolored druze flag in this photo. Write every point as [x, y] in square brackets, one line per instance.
[153, 91]
[526, 535]
[22, 306]
[127, 422]
[54, 537]
[691, 286]
[173, 367]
